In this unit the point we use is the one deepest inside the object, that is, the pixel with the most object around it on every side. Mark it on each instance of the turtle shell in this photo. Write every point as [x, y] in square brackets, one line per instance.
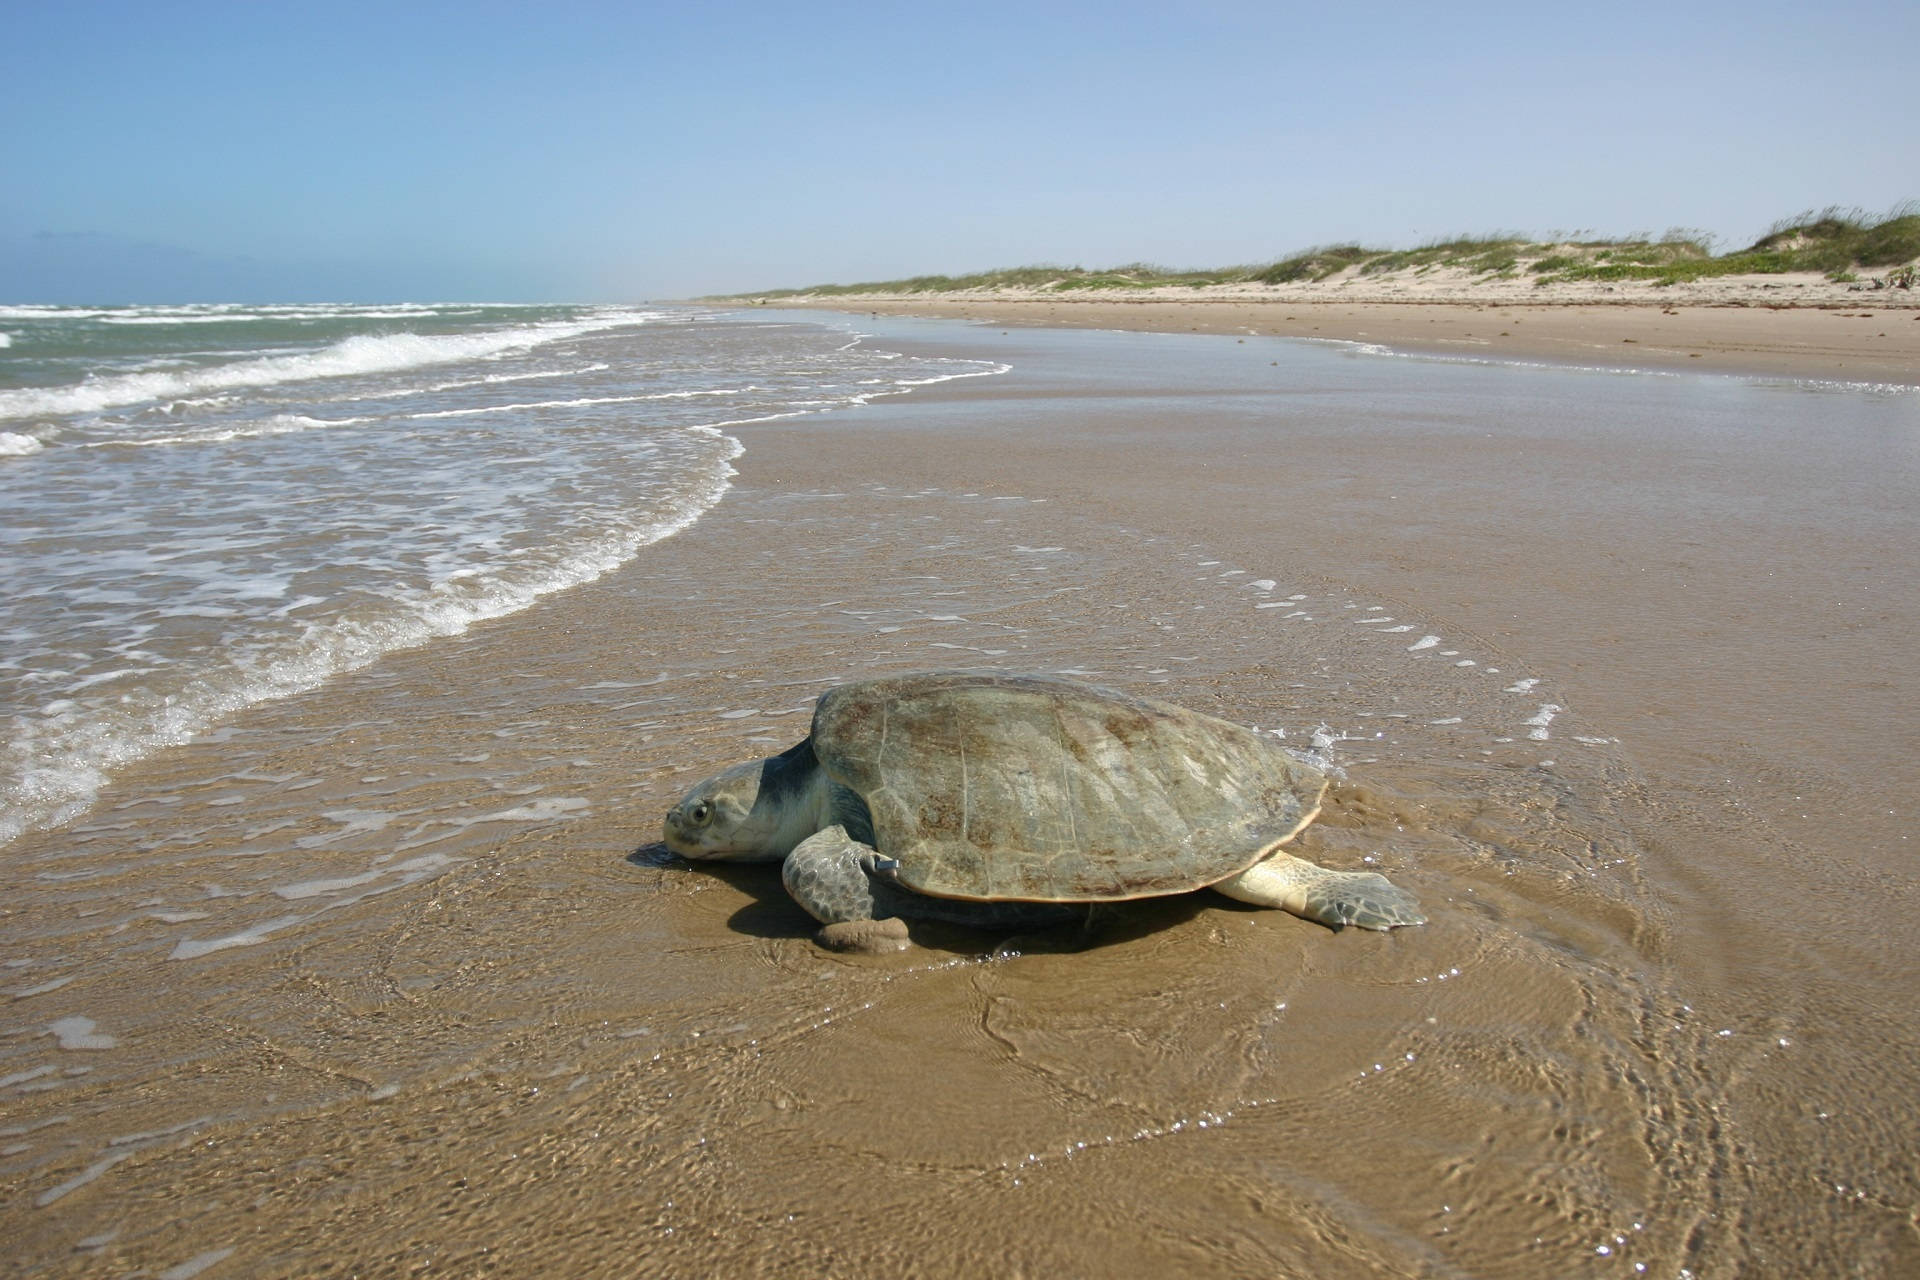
[1033, 788]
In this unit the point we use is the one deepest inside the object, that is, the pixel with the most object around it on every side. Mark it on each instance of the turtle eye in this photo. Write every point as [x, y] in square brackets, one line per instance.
[700, 814]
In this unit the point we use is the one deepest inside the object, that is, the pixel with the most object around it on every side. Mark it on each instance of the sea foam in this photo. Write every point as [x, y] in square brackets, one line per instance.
[67, 751]
[360, 354]
[279, 424]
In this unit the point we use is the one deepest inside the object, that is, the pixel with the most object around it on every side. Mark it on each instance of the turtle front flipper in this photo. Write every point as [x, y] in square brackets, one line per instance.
[1333, 898]
[831, 875]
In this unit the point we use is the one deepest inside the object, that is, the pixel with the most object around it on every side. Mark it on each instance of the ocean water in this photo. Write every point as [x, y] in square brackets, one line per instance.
[207, 507]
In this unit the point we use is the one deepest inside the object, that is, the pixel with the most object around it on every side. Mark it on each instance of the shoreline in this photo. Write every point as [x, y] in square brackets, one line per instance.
[1851, 342]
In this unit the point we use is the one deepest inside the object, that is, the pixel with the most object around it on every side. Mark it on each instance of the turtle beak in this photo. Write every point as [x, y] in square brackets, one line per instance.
[671, 832]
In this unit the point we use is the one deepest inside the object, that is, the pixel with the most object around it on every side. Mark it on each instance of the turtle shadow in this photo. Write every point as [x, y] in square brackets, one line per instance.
[772, 914]
[1094, 927]
[656, 854]
[769, 913]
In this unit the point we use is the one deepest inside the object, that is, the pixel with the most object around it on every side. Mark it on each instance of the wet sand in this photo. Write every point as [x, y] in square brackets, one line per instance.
[1651, 777]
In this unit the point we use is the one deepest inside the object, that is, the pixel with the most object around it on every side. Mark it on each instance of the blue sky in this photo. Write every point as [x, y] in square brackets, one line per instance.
[588, 151]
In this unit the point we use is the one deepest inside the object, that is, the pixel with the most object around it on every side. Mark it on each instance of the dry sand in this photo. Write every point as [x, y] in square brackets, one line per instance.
[1652, 778]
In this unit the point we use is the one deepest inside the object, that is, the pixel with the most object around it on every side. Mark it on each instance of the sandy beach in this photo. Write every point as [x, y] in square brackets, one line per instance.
[1742, 328]
[1614, 668]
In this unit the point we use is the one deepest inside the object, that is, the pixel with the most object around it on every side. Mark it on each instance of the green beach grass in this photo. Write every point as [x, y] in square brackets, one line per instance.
[1838, 243]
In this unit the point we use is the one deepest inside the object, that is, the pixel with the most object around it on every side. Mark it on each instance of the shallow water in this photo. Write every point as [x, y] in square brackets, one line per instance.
[209, 507]
[391, 964]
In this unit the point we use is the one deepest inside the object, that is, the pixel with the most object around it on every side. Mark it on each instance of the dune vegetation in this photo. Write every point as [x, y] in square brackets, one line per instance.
[1841, 244]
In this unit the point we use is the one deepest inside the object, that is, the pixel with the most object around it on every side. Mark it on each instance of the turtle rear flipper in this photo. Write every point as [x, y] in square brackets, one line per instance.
[1333, 898]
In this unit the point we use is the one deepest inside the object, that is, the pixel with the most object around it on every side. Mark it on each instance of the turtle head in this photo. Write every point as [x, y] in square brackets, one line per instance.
[754, 812]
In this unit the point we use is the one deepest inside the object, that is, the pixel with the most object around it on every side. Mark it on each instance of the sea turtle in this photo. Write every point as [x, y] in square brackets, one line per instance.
[993, 800]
